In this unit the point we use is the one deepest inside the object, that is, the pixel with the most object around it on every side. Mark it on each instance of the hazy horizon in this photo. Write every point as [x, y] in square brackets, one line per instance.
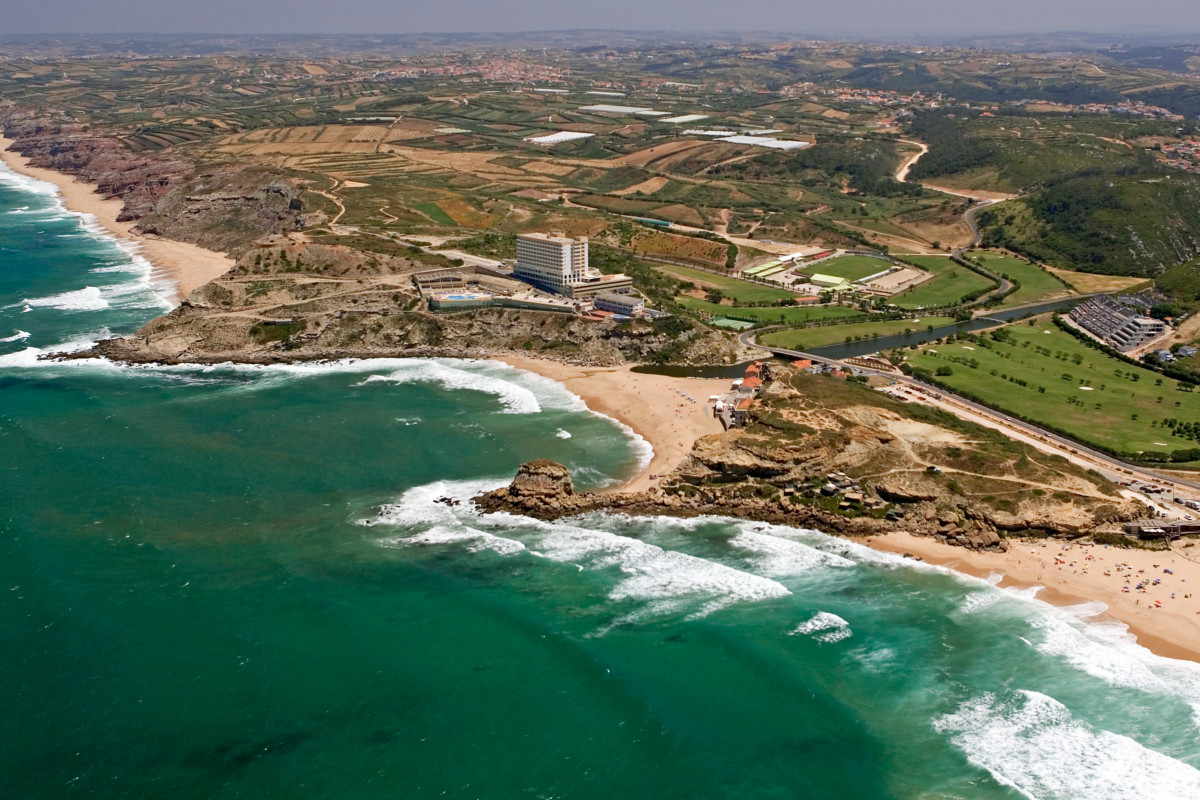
[869, 18]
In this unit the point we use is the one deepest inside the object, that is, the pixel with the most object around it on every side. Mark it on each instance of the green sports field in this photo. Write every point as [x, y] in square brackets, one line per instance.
[808, 338]
[738, 291]
[953, 282]
[851, 268]
[1070, 386]
[792, 315]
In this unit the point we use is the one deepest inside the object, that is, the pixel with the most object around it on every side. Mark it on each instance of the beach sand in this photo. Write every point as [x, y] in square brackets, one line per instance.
[1076, 573]
[652, 405]
[185, 266]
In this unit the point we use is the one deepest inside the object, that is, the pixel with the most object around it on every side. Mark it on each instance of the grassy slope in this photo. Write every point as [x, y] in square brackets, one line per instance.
[1114, 225]
[1036, 283]
[1118, 396]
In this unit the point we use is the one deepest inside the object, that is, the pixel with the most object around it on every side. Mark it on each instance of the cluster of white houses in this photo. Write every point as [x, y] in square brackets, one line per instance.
[554, 265]
[1120, 326]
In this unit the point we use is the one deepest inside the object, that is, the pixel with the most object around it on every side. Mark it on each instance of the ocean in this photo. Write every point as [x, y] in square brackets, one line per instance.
[234, 581]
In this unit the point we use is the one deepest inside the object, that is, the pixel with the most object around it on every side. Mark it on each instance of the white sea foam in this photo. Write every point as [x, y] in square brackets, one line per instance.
[15, 180]
[560, 433]
[1100, 659]
[1032, 744]
[417, 506]
[875, 659]
[22, 358]
[474, 540]
[131, 267]
[515, 399]
[659, 581]
[775, 553]
[665, 580]
[88, 298]
[824, 627]
[977, 601]
[20, 335]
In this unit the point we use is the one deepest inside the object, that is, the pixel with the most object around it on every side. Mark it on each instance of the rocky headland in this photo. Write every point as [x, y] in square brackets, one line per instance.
[821, 453]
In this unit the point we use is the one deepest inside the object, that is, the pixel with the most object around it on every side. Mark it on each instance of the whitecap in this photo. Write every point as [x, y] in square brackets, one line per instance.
[1032, 744]
[17, 337]
[22, 358]
[15, 180]
[418, 505]
[88, 298]
[824, 627]
[666, 581]
[977, 601]
[776, 553]
[1095, 649]
[474, 540]
[131, 267]
[560, 433]
[514, 398]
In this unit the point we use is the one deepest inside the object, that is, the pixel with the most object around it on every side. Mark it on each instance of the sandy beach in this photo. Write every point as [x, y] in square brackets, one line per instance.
[652, 405]
[185, 266]
[1165, 616]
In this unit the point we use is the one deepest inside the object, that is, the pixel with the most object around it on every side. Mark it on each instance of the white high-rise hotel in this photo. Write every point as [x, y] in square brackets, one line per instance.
[551, 262]
[560, 265]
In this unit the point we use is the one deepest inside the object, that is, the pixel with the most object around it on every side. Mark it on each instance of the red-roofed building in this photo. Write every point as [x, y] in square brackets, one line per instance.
[740, 411]
[802, 363]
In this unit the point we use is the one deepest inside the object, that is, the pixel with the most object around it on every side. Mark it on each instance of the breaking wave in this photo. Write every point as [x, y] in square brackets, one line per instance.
[825, 627]
[1032, 743]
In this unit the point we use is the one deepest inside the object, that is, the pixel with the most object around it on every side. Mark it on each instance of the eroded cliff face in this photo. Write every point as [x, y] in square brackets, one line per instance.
[222, 207]
[844, 459]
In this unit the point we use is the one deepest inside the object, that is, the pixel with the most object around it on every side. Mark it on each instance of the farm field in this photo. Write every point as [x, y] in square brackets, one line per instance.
[1087, 394]
[786, 314]
[851, 268]
[1087, 283]
[953, 282]
[1036, 283]
[738, 291]
[807, 338]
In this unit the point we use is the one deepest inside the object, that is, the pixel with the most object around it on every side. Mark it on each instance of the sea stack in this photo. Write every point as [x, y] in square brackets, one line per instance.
[538, 490]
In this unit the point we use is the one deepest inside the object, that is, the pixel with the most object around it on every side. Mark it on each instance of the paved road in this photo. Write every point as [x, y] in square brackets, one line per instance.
[1116, 466]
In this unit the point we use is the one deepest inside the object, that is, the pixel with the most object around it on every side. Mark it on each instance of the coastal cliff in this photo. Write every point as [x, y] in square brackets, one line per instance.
[825, 454]
[219, 205]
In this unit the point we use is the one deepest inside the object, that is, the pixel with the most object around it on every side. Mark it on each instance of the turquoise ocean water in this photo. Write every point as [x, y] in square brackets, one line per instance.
[235, 582]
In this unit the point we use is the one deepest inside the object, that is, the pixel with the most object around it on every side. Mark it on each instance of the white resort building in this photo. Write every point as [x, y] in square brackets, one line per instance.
[560, 265]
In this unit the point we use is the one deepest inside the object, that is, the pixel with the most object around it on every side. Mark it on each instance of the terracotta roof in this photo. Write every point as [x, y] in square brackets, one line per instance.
[752, 383]
[745, 403]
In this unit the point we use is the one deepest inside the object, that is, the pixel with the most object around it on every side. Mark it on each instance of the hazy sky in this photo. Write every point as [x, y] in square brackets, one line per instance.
[862, 17]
